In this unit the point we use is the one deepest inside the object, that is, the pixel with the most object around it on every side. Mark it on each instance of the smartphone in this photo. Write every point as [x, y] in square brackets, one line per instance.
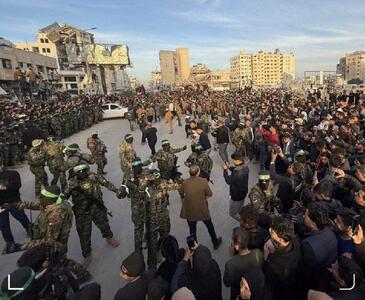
[190, 240]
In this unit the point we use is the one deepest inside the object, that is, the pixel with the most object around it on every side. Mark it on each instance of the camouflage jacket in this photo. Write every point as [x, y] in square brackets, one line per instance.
[240, 137]
[96, 146]
[166, 160]
[37, 156]
[263, 201]
[74, 160]
[157, 194]
[203, 160]
[134, 188]
[52, 225]
[54, 152]
[87, 191]
[126, 154]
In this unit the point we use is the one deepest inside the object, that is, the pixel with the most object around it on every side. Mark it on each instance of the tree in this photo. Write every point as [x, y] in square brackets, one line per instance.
[355, 81]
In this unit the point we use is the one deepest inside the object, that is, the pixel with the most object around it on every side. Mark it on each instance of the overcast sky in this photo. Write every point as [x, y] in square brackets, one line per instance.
[318, 32]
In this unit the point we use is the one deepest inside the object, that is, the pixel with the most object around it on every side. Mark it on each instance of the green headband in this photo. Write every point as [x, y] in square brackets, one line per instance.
[299, 153]
[165, 142]
[47, 194]
[72, 149]
[51, 138]
[264, 177]
[128, 136]
[136, 163]
[80, 167]
[5, 296]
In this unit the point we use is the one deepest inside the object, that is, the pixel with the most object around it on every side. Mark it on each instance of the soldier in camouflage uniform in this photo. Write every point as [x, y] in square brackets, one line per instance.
[157, 214]
[239, 139]
[52, 227]
[263, 199]
[166, 160]
[98, 150]
[55, 161]
[126, 155]
[131, 116]
[75, 157]
[88, 206]
[56, 125]
[133, 188]
[201, 159]
[37, 160]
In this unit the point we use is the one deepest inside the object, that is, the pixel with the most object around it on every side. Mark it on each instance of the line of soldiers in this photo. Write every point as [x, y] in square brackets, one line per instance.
[15, 138]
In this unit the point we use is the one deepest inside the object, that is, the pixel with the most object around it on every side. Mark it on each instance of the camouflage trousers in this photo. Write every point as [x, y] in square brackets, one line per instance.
[133, 125]
[58, 174]
[84, 220]
[158, 228]
[138, 219]
[41, 178]
[127, 173]
[100, 161]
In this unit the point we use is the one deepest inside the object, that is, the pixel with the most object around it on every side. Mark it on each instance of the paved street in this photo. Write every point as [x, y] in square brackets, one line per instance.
[105, 267]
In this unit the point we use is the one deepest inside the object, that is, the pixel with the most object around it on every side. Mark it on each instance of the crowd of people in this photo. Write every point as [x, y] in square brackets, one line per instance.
[300, 228]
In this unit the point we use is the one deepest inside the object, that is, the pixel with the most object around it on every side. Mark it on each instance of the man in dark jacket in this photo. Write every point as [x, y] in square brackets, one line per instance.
[319, 249]
[202, 277]
[283, 259]
[9, 198]
[238, 184]
[204, 140]
[222, 136]
[150, 134]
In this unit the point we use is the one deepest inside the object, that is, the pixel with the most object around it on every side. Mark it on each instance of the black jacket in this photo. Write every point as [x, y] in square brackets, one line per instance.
[281, 269]
[151, 135]
[222, 135]
[204, 141]
[238, 182]
[11, 180]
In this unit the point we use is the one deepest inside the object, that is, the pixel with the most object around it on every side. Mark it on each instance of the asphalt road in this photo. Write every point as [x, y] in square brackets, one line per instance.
[105, 267]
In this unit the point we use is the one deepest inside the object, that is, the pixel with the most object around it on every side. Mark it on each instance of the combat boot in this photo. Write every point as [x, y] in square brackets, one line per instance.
[112, 242]
[11, 248]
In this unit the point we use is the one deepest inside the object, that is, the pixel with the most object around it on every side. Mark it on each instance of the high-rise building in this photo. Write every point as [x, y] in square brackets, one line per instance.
[341, 67]
[261, 69]
[182, 64]
[175, 66]
[168, 67]
[355, 66]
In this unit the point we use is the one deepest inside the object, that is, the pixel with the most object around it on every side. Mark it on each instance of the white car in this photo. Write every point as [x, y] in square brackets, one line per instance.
[114, 110]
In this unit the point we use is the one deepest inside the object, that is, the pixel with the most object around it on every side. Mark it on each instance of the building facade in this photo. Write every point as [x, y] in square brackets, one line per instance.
[11, 58]
[355, 66]
[168, 67]
[182, 65]
[155, 81]
[341, 67]
[175, 66]
[71, 47]
[261, 69]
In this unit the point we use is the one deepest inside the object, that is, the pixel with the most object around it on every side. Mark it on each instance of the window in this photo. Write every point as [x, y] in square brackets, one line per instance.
[105, 107]
[74, 85]
[43, 50]
[42, 40]
[70, 78]
[35, 49]
[112, 106]
[20, 64]
[48, 50]
[6, 63]
[46, 40]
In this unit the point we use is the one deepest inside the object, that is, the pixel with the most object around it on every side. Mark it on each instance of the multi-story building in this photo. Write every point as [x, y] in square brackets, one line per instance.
[11, 58]
[219, 80]
[241, 70]
[155, 81]
[341, 67]
[355, 66]
[196, 70]
[78, 56]
[261, 69]
[182, 64]
[175, 67]
[168, 67]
